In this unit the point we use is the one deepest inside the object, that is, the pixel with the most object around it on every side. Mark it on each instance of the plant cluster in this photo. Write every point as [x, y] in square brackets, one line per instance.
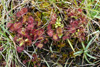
[50, 33]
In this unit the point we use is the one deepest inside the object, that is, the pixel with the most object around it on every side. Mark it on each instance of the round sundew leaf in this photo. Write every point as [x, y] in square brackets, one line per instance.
[24, 18]
[17, 25]
[40, 32]
[50, 32]
[55, 37]
[59, 30]
[30, 20]
[39, 45]
[20, 49]
[18, 14]
[30, 26]
[22, 31]
[24, 10]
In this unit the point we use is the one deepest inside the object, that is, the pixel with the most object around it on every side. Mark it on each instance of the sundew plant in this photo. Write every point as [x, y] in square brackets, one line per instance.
[49, 33]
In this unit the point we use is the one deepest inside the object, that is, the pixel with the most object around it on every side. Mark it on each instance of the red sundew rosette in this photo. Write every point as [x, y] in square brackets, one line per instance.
[22, 12]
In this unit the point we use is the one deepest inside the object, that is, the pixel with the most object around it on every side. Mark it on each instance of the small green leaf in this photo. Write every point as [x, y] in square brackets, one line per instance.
[78, 53]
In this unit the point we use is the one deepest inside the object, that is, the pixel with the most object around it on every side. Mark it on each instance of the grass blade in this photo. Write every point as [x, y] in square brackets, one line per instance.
[90, 56]
[90, 43]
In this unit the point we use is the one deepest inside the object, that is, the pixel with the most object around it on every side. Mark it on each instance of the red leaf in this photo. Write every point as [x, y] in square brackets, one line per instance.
[21, 12]
[30, 20]
[22, 31]
[72, 29]
[50, 32]
[59, 30]
[40, 32]
[12, 28]
[74, 23]
[39, 45]
[17, 25]
[80, 10]
[33, 31]
[49, 26]
[9, 25]
[65, 37]
[55, 37]
[30, 26]
[24, 10]
[20, 49]
[40, 38]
